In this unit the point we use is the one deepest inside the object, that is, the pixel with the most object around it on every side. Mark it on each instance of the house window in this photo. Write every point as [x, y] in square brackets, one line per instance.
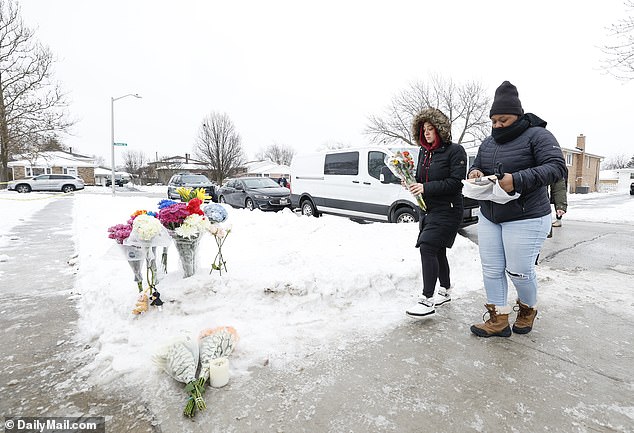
[631, 175]
[70, 170]
[34, 171]
[587, 162]
[569, 159]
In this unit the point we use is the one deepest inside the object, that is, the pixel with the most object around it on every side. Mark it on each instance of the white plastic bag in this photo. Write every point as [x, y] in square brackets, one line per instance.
[487, 188]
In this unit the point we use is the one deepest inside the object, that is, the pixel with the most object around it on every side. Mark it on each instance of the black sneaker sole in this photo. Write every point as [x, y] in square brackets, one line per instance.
[419, 316]
[444, 301]
[506, 332]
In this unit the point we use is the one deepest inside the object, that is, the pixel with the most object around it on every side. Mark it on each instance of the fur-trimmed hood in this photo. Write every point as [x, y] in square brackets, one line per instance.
[436, 118]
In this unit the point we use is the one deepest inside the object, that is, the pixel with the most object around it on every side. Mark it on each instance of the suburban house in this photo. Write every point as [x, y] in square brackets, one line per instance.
[54, 162]
[619, 179]
[162, 170]
[264, 168]
[583, 167]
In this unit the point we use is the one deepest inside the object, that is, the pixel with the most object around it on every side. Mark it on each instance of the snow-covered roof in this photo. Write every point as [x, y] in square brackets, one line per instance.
[54, 159]
[608, 175]
[261, 167]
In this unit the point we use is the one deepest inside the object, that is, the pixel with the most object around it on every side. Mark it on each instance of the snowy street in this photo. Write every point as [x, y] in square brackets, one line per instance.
[319, 306]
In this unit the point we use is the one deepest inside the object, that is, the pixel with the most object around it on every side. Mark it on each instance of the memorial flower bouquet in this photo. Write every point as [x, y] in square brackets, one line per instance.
[402, 165]
[180, 359]
[185, 223]
[217, 214]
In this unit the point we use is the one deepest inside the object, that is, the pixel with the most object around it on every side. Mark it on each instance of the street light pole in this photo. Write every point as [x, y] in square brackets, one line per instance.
[112, 134]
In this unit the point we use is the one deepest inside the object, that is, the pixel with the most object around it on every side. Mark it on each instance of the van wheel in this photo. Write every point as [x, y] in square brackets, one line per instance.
[308, 208]
[405, 215]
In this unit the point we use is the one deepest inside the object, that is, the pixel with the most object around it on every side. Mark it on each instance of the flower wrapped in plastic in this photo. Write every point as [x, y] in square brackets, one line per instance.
[402, 165]
[217, 214]
[185, 223]
[179, 359]
[148, 234]
[133, 254]
[214, 343]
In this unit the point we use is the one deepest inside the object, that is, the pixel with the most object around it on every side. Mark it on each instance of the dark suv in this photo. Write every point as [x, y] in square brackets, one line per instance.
[192, 181]
[632, 188]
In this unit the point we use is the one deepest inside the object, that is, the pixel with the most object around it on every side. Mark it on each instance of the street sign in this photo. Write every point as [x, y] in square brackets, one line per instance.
[120, 144]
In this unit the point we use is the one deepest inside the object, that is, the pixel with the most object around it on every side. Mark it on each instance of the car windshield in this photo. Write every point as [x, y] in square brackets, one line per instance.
[194, 178]
[261, 182]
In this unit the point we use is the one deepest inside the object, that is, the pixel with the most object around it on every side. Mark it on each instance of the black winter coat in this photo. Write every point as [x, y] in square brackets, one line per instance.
[535, 160]
[441, 172]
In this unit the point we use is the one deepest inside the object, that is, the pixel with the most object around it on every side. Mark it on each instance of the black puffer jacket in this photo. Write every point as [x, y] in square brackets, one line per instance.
[442, 182]
[534, 159]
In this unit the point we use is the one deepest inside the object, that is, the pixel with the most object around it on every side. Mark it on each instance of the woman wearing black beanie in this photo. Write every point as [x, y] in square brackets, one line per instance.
[526, 158]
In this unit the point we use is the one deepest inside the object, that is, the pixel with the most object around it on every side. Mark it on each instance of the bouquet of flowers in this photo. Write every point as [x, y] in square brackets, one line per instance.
[402, 165]
[217, 214]
[187, 194]
[180, 360]
[185, 223]
[139, 237]
[215, 343]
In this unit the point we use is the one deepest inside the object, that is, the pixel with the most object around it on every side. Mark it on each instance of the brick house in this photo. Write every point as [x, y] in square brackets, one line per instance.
[54, 162]
[583, 168]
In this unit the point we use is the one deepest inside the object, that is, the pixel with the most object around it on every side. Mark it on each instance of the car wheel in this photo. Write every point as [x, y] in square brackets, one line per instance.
[68, 188]
[221, 199]
[249, 204]
[405, 215]
[23, 188]
[308, 208]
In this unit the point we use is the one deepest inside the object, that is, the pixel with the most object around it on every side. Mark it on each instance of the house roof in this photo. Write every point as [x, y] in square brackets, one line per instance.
[55, 158]
[261, 167]
[578, 151]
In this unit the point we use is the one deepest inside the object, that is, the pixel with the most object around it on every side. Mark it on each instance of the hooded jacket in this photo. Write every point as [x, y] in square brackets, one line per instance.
[442, 180]
[535, 160]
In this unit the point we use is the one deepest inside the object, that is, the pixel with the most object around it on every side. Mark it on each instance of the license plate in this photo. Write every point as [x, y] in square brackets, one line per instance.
[283, 201]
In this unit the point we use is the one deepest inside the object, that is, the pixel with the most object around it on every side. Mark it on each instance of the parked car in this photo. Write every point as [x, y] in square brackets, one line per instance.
[47, 182]
[255, 193]
[192, 181]
[356, 183]
[118, 181]
[632, 188]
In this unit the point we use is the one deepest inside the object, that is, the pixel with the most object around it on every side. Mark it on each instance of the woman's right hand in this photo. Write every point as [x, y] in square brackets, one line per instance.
[475, 174]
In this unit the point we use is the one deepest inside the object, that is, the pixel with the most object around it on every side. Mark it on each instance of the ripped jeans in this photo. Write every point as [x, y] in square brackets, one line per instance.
[511, 248]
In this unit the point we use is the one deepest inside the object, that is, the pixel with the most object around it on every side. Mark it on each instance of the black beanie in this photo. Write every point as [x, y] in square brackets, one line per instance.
[506, 100]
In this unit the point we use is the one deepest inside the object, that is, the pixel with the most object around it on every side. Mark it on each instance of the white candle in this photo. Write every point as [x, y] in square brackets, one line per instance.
[219, 372]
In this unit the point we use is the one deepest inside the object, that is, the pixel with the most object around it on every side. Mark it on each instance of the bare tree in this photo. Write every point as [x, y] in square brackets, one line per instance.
[278, 153]
[134, 161]
[220, 146]
[466, 105]
[620, 53]
[32, 106]
[616, 162]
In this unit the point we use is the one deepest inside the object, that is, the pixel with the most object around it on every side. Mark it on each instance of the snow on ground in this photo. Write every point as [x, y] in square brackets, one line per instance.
[295, 285]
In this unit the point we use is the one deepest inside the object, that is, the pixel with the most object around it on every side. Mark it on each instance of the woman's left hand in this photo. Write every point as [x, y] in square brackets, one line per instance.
[416, 188]
[506, 183]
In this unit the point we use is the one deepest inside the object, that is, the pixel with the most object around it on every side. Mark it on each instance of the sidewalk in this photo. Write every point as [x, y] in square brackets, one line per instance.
[573, 373]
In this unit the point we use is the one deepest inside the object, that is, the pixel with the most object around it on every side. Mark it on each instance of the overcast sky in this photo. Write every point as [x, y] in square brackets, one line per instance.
[301, 74]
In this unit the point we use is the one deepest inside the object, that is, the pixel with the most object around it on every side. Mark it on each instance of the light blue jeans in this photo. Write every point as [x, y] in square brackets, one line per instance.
[511, 248]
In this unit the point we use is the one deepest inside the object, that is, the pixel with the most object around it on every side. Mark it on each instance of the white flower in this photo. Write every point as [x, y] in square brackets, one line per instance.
[146, 226]
[192, 226]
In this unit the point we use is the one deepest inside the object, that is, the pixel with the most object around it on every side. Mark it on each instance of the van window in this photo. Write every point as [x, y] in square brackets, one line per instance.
[376, 161]
[346, 163]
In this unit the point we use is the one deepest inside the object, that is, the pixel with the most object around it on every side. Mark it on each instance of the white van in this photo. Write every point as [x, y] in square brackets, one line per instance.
[355, 183]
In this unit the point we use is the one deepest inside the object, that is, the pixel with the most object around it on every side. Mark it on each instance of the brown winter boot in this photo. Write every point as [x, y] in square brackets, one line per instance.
[525, 318]
[497, 325]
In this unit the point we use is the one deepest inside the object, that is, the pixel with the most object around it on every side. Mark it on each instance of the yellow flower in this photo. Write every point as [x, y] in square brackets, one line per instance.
[201, 194]
[185, 193]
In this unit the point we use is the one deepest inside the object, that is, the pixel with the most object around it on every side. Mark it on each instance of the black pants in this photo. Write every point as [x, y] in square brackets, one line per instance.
[435, 268]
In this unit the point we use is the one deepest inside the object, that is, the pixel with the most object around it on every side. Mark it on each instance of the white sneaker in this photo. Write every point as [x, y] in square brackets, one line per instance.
[442, 296]
[424, 308]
